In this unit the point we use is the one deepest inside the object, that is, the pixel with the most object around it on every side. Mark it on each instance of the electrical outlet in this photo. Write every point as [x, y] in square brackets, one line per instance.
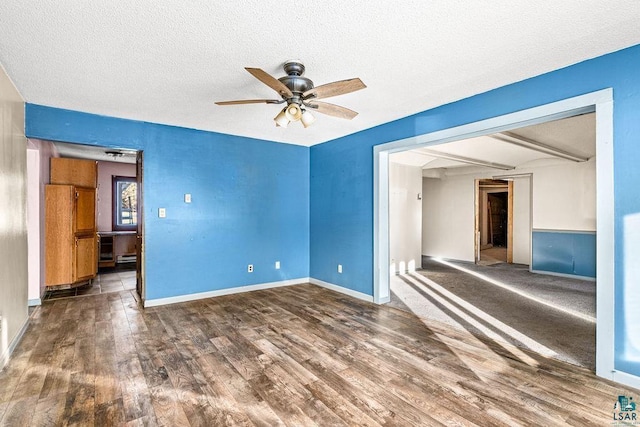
[277, 265]
[339, 268]
[187, 198]
[250, 268]
[162, 213]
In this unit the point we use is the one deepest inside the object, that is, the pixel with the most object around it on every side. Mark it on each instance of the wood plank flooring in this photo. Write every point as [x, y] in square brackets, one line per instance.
[298, 355]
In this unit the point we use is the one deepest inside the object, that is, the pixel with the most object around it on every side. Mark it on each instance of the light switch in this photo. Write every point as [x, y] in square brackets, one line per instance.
[162, 213]
[187, 198]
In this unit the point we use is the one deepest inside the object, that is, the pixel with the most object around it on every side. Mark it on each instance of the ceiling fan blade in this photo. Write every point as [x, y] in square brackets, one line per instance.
[249, 101]
[336, 88]
[270, 81]
[332, 110]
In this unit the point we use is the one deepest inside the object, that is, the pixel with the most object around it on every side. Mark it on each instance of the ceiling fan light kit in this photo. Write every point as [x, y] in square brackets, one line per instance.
[307, 119]
[281, 119]
[300, 94]
[293, 112]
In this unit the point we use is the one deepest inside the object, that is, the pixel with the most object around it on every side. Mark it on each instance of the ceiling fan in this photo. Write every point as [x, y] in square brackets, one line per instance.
[301, 95]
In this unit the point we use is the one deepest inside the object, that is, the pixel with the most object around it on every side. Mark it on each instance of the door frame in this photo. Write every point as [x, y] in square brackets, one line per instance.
[140, 271]
[477, 235]
[600, 102]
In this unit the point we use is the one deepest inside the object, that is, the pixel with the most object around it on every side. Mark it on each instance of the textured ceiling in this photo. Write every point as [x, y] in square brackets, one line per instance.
[574, 135]
[168, 61]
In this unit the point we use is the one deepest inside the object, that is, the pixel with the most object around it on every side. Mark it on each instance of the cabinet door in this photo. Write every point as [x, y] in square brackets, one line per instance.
[85, 258]
[85, 210]
[81, 173]
[59, 200]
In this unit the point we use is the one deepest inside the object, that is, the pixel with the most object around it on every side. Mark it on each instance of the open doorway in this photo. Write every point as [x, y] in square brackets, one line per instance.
[564, 109]
[493, 221]
[112, 258]
[492, 295]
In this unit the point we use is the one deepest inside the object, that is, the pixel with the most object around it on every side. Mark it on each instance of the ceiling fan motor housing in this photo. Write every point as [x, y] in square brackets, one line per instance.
[294, 80]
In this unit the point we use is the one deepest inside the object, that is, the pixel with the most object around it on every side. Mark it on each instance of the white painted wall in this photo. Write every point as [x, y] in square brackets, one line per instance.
[33, 225]
[522, 220]
[563, 198]
[13, 218]
[39, 154]
[448, 210]
[405, 217]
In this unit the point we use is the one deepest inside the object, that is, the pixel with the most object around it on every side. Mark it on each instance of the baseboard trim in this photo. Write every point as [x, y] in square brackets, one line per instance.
[14, 343]
[341, 289]
[210, 294]
[626, 379]
[565, 275]
[34, 302]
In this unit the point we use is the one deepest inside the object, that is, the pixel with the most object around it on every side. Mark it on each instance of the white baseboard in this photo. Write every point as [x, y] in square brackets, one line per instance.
[210, 294]
[4, 358]
[34, 302]
[341, 289]
[626, 379]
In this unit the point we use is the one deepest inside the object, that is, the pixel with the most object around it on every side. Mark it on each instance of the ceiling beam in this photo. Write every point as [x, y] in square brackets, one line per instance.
[462, 159]
[521, 141]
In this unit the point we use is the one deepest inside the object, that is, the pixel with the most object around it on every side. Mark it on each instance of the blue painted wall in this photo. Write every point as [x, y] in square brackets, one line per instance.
[564, 252]
[342, 172]
[256, 201]
[250, 200]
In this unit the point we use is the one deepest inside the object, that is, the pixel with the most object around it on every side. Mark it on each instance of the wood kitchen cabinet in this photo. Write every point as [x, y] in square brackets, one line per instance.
[70, 234]
[81, 173]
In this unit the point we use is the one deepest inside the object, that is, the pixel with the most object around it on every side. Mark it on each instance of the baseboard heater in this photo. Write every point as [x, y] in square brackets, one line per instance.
[121, 259]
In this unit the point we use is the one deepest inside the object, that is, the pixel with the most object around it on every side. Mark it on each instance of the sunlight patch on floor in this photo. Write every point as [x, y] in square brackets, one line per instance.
[518, 292]
[470, 314]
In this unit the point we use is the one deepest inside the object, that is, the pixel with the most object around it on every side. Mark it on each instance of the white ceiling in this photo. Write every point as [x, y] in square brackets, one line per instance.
[90, 152]
[168, 61]
[574, 135]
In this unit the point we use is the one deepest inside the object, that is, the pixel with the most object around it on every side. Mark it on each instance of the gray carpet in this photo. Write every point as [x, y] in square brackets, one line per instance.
[532, 314]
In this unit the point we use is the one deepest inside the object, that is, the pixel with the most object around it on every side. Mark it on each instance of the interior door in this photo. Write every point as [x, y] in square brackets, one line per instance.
[140, 229]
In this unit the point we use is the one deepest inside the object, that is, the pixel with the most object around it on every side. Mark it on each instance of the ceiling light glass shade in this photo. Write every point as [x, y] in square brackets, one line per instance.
[307, 118]
[293, 112]
[281, 119]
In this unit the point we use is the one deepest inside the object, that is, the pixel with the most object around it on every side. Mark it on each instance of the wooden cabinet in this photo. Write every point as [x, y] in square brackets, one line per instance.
[106, 255]
[85, 257]
[85, 210]
[116, 247]
[81, 173]
[70, 234]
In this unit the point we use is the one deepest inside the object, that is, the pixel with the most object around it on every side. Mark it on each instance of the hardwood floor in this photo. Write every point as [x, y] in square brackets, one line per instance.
[298, 355]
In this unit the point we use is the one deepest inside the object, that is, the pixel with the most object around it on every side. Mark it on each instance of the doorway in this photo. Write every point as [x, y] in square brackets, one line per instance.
[493, 221]
[599, 102]
[118, 254]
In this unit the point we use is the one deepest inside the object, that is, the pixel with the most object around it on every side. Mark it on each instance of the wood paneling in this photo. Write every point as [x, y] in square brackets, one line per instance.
[81, 173]
[298, 355]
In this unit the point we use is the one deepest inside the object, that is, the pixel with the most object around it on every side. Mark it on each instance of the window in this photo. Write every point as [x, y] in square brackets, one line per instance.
[125, 203]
